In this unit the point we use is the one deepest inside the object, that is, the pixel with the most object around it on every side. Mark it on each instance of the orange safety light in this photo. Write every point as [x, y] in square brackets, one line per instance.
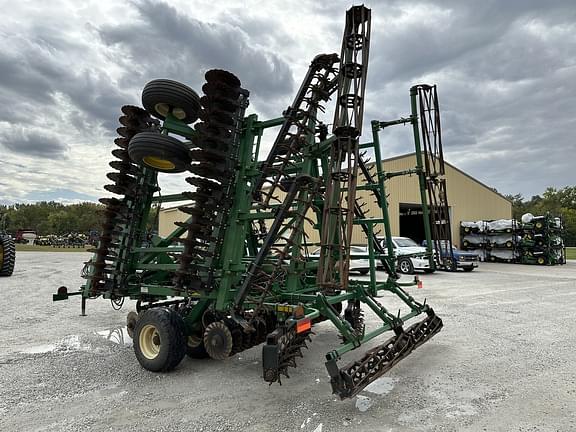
[303, 325]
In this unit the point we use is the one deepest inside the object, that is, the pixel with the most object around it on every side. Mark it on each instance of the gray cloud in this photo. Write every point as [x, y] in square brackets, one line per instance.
[32, 143]
[168, 43]
[504, 72]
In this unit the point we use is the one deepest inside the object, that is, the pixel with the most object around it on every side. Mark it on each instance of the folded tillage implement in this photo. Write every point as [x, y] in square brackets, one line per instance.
[533, 240]
[237, 272]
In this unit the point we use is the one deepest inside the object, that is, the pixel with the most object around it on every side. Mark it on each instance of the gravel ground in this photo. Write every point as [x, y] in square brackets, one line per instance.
[503, 362]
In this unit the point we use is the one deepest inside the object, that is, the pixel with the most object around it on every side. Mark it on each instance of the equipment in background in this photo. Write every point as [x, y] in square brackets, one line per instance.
[533, 240]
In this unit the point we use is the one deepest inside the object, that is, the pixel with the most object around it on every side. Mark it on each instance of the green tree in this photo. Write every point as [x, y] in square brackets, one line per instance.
[53, 218]
[557, 202]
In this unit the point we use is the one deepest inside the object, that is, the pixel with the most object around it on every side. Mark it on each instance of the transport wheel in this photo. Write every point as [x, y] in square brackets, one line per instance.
[159, 152]
[541, 261]
[218, 340]
[159, 341]
[131, 320]
[163, 96]
[7, 256]
[405, 266]
[195, 347]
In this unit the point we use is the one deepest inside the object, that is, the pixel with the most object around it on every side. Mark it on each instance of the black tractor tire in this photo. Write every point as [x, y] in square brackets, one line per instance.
[159, 152]
[163, 96]
[7, 256]
[159, 339]
[405, 266]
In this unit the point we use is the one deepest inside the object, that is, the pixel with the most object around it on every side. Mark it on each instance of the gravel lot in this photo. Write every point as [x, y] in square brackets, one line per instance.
[503, 362]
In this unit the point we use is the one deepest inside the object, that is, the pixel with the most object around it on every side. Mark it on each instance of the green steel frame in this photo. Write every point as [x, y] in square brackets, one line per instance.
[149, 268]
[145, 267]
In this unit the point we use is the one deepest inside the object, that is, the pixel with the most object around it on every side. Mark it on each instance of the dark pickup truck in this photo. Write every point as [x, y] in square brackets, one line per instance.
[467, 261]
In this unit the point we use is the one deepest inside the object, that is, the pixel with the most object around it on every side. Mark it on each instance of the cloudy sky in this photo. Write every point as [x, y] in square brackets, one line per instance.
[505, 70]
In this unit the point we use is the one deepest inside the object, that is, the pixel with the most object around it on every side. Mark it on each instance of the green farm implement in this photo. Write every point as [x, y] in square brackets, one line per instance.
[238, 272]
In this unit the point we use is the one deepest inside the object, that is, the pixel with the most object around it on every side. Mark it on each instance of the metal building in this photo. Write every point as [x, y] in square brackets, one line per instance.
[468, 198]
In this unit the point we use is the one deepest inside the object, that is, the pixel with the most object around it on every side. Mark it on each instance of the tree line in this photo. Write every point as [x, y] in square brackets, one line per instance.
[557, 202]
[49, 217]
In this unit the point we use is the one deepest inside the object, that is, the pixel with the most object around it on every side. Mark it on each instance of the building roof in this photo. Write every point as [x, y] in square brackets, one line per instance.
[454, 168]
[406, 155]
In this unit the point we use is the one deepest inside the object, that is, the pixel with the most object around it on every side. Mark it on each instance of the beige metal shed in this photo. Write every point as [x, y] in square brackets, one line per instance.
[468, 198]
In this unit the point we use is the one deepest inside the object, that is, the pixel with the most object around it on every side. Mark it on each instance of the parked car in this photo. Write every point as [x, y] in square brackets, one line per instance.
[361, 265]
[410, 256]
[467, 261]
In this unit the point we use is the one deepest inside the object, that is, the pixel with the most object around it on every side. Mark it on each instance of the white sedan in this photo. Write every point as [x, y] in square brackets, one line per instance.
[361, 265]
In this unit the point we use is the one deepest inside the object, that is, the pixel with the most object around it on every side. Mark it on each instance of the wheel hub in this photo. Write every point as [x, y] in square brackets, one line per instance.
[150, 342]
[164, 109]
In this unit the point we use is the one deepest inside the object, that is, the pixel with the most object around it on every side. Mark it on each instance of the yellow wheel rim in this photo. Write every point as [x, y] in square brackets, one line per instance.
[149, 342]
[159, 163]
[540, 260]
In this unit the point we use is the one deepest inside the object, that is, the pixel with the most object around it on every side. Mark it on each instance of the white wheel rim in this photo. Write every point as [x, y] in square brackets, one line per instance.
[163, 109]
[149, 342]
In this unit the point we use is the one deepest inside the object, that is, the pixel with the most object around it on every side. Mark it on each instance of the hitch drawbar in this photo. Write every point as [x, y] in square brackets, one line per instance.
[352, 378]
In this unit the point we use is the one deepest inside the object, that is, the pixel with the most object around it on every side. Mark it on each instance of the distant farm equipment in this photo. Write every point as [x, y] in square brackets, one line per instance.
[71, 240]
[533, 240]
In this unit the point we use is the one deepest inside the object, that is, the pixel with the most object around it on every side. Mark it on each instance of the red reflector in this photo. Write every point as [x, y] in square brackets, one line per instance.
[303, 325]
[419, 284]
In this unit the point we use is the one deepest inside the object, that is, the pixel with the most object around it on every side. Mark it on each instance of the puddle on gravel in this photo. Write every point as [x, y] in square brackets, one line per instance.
[381, 387]
[39, 349]
[363, 403]
[69, 343]
[378, 388]
[118, 335]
